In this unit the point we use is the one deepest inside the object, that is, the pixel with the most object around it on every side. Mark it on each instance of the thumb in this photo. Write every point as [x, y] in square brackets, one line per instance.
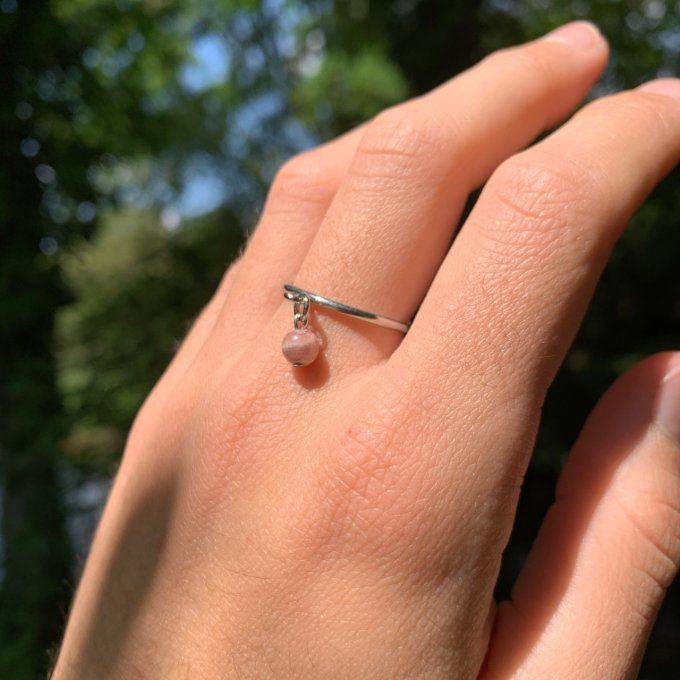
[609, 547]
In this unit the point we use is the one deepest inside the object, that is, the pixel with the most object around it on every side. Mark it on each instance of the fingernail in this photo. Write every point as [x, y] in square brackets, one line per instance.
[667, 411]
[581, 35]
[668, 86]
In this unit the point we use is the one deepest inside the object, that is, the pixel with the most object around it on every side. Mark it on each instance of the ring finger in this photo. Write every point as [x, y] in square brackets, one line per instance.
[296, 204]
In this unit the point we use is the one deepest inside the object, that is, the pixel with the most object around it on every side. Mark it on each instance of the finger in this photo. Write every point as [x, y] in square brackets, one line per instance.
[391, 221]
[470, 376]
[510, 295]
[610, 545]
[297, 202]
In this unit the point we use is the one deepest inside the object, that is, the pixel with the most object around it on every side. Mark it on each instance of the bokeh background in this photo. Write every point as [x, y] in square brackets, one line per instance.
[138, 139]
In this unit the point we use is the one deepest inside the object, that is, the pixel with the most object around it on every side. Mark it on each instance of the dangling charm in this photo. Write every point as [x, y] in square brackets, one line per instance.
[301, 346]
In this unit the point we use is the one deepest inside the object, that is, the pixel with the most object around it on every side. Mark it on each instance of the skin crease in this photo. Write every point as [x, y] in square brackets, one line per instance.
[347, 519]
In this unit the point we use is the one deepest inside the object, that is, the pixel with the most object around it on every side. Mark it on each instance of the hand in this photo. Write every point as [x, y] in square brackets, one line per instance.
[347, 519]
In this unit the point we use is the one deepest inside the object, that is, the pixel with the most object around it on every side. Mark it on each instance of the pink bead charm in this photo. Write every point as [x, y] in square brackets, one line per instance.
[301, 347]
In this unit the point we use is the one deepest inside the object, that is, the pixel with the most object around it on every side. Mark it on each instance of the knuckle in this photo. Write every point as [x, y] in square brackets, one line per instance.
[636, 110]
[536, 201]
[541, 180]
[303, 178]
[397, 139]
[655, 521]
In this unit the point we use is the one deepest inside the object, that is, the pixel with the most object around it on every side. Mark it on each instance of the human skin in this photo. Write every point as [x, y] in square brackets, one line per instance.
[347, 519]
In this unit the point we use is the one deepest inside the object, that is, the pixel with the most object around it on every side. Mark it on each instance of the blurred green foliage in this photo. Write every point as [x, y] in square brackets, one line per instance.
[136, 286]
[139, 138]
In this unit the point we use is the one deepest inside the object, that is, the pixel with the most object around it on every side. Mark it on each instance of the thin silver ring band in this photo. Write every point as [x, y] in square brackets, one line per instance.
[296, 294]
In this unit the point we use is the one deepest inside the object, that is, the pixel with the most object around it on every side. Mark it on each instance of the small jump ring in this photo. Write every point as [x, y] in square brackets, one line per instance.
[301, 306]
[299, 321]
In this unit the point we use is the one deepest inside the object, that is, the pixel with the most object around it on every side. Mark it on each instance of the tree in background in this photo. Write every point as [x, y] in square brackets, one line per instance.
[100, 109]
[141, 138]
[119, 120]
[136, 287]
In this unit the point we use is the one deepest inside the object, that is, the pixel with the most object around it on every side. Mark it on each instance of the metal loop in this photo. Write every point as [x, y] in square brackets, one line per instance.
[300, 312]
[299, 296]
[299, 322]
[301, 305]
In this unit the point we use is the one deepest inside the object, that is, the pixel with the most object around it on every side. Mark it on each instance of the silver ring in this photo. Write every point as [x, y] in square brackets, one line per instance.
[304, 297]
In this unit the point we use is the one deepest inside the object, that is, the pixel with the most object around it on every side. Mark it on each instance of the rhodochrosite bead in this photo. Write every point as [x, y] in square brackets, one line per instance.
[301, 347]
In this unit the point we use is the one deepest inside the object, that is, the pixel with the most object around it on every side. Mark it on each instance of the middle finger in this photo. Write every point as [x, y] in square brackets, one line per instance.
[391, 221]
